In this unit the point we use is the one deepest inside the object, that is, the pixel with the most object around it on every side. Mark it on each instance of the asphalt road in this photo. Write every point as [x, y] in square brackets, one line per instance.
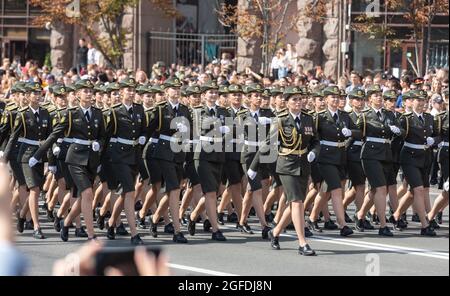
[407, 253]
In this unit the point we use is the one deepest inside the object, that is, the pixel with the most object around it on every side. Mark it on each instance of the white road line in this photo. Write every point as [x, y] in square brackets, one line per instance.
[200, 270]
[373, 246]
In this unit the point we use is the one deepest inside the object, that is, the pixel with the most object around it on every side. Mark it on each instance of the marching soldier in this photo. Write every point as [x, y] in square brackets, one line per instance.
[209, 155]
[334, 127]
[31, 127]
[419, 136]
[256, 123]
[171, 119]
[295, 131]
[378, 127]
[126, 130]
[85, 126]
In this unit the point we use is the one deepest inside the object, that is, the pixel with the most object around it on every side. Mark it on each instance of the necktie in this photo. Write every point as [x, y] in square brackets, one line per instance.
[36, 115]
[380, 117]
[212, 112]
[130, 111]
[421, 119]
[87, 116]
[255, 116]
[335, 117]
[297, 121]
[175, 110]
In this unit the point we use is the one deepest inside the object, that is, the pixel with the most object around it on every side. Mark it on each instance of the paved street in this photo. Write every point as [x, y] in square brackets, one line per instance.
[405, 254]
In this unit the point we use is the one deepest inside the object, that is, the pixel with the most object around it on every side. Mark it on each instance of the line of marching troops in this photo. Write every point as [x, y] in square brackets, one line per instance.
[157, 150]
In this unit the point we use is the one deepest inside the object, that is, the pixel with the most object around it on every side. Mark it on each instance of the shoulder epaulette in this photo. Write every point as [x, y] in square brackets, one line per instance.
[62, 109]
[366, 110]
[283, 113]
[116, 105]
[311, 112]
[96, 108]
[407, 114]
[11, 104]
[45, 104]
[24, 109]
[161, 103]
[321, 112]
[197, 107]
[137, 104]
[306, 112]
[72, 108]
[11, 107]
[51, 108]
[442, 113]
[241, 112]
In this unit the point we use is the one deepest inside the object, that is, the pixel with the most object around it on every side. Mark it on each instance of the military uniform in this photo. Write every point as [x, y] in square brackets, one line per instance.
[126, 130]
[31, 128]
[84, 130]
[415, 154]
[376, 153]
[209, 155]
[168, 163]
[253, 124]
[332, 158]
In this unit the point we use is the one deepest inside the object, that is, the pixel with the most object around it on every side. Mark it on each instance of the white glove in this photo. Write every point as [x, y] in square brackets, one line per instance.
[346, 132]
[224, 129]
[430, 141]
[251, 174]
[99, 168]
[52, 169]
[395, 129]
[182, 128]
[32, 162]
[142, 140]
[56, 151]
[95, 146]
[1, 154]
[264, 120]
[446, 186]
[311, 156]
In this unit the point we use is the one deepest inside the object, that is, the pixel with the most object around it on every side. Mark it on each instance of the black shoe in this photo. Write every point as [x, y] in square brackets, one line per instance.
[346, 231]
[220, 218]
[191, 226]
[274, 241]
[153, 227]
[100, 220]
[290, 226]
[64, 233]
[359, 225]
[50, 215]
[330, 225]
[218, 236]
[138, 206]
[80, 232]
[37, 234]
[183, 221]
[140, 221]
[415, 218]
[368, 226]
[108, 214]
[308, 232]
[385, 231]
[252, 212]
[439, 218]
[270, 217]
[375, 219]
[110, 234]
[306, 251]
[169, 228]
[434, 224]
[120, 230]
[57, 224]
[402, 224]
[245, 228]
[427, 231]
[397, 224]
[136, 240]
[179, 238]
[433, 182]
[21, 224]
[404, 218]
[232, 218]
[348, 219]
[29, 225]
[314, 226]
[94, 216]
[206, 225]
[265, 232]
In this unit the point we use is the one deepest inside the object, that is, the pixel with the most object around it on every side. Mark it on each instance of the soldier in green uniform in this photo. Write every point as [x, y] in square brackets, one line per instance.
[378, 127]
[256, 123]
[294, 130]
[85, 126]
[209, 154]
[32, 126]
[126, 129]
[419, 136]
[172, 120]
[334, 128]
[355, 170]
